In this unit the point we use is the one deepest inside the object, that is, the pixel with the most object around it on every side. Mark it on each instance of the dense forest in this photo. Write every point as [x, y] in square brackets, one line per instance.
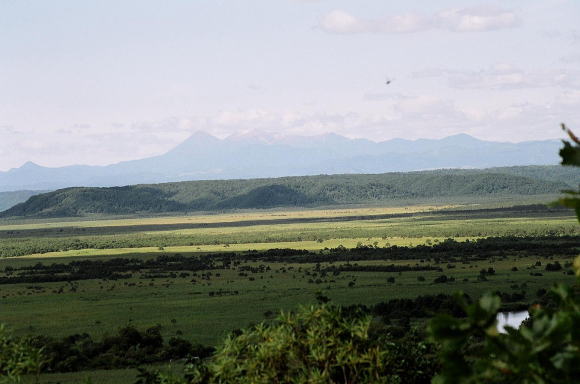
[307, 191]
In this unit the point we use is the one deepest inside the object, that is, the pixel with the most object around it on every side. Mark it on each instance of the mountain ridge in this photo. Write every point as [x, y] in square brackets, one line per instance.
[206, 157]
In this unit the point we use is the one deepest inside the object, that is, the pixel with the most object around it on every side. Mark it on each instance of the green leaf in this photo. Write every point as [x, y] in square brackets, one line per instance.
[570, 154]
[490, 303]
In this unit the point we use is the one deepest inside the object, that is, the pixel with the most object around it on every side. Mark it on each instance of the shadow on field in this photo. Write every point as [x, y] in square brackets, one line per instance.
[511, 212]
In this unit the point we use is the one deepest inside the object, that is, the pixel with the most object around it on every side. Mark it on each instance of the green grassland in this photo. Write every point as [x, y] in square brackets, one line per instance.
[301, 230]
[99, 307]
[204, 306]
[95, 377]
[179, 306]
[100, 376]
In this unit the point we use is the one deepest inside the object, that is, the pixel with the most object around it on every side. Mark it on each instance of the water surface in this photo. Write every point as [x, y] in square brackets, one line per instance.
[510, 319]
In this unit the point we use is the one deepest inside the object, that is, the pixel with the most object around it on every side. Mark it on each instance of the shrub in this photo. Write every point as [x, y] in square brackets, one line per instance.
[18, 357]
[321, 344]
[551, 267]
[441, 279]
[547, 350]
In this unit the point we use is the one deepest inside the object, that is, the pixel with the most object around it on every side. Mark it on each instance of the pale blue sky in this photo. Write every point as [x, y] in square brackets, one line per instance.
[96, 82]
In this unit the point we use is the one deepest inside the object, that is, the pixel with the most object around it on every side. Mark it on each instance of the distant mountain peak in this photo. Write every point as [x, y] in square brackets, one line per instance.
[461, 137]
[331, 136]
[201, 135]
[257, 136]
[29, 165]
[197, 140]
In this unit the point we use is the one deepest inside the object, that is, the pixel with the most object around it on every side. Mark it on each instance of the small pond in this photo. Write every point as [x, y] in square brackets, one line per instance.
[511, 319]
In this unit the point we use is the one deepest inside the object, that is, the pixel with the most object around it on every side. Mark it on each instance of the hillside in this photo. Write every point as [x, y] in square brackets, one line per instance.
[305, 191]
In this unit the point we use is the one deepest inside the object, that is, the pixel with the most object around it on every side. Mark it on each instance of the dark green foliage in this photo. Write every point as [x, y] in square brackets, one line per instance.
[129, 348]
[419, 307]
[377, 268]
[288, 192]
[570, 154]
[316, 345]
[75, 201]
[546, 350]
[113, 269]
[553, 266]
[443, 279]
[269, 196]
[18, 357]
[557, 174]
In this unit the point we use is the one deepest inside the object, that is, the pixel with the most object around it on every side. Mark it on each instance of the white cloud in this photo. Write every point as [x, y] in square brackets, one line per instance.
[505, 77]
[499, 77]
[477, 19]
[339, 21]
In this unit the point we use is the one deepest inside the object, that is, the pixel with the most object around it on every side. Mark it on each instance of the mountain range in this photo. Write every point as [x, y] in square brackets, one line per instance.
[205, 157]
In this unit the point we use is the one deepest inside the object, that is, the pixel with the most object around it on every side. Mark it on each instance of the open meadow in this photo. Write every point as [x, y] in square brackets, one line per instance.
[201, 277]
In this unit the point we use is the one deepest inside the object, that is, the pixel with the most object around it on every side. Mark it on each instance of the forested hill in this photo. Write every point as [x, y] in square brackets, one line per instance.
[307, 191]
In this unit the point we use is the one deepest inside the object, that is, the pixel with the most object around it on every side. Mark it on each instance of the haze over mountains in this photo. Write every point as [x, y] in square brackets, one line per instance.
[10, 199]
[205, 157]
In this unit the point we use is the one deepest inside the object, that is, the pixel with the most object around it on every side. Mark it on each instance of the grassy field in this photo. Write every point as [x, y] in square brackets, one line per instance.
[308, 230]
[95, 377]
[204, 306]
[112, 376]
[253, 215]
[311, 245]
[181, 306]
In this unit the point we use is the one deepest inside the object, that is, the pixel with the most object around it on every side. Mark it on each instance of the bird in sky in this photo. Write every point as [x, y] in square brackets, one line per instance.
[389, 81]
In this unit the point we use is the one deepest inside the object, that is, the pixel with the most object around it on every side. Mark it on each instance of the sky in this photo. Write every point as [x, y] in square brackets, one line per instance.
[97, 82]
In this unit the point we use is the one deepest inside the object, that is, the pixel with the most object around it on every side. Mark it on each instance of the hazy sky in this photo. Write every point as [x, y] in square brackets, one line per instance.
[96, 82]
